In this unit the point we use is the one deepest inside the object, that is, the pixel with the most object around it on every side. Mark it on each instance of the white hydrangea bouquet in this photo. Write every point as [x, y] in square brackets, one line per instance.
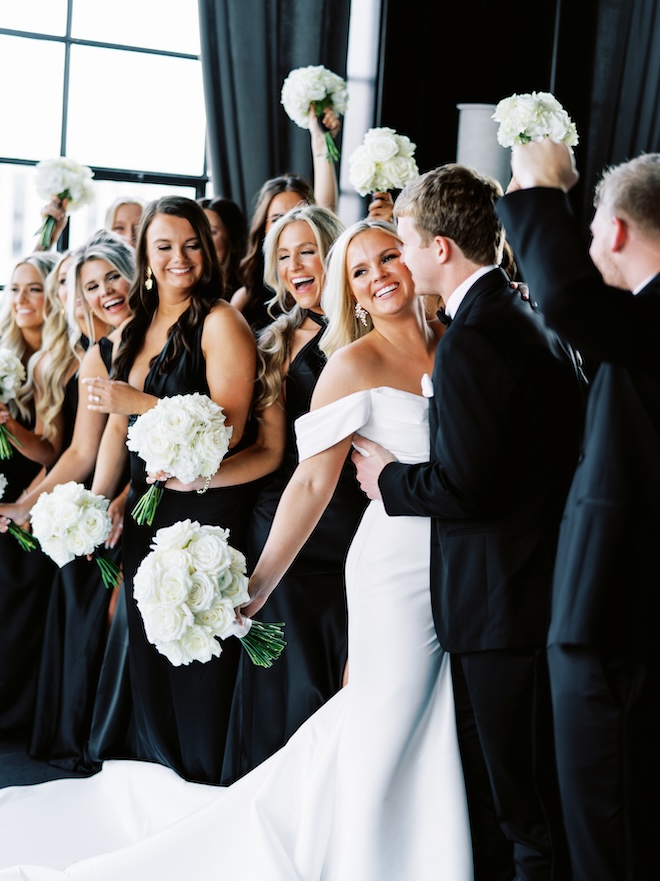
[22, 536]
[384, 161]
[12, 377]
[185, 436]
[532, 117]
[187, 589]
[71, 521]
[320, 87]
[67, 179]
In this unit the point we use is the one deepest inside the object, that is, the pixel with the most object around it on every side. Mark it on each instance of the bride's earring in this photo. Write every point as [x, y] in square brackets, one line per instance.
[361, 314]
[149, 281]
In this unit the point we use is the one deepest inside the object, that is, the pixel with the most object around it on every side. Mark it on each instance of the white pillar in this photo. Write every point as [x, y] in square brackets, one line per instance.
[478, 146]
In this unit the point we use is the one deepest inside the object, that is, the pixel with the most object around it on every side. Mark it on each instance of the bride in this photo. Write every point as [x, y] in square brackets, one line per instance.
[370, 787]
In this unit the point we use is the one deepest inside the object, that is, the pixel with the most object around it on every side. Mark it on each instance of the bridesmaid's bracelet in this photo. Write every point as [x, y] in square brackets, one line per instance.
[207, 483]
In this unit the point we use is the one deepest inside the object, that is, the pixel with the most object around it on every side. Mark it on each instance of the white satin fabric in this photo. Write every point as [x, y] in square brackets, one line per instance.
[370, 788]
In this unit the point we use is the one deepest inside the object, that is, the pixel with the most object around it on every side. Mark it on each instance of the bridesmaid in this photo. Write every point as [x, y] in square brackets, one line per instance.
[270, 704]
[99, 274]
[183, 338]
[35, 419]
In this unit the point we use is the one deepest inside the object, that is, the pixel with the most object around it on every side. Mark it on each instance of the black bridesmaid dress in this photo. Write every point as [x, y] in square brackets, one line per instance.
[271, 703]
[25, 585]
[179, 715]
[74, 643]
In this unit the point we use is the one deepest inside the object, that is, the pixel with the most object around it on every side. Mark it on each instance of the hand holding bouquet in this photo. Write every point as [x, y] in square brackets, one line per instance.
[319, 87]
[12, 377]
[187, 589]
[73, 522]
[185, 436]
[22, 536]
[384, 161]
[533, 117]
[70, 182]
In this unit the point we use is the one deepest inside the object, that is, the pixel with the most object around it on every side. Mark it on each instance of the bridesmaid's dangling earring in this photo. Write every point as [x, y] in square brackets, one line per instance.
[149, 282]
[361, 314]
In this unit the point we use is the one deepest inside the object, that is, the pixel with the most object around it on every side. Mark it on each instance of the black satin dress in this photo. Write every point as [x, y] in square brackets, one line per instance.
[25, 585]
[179, 715]
[271, 703]
[74, 643]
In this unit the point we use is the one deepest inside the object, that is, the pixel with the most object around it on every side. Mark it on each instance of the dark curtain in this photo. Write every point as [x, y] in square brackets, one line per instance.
[248, 47]
[625, 108]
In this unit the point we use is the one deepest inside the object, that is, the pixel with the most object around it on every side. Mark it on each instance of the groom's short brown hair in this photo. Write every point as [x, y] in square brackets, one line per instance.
[459, 203]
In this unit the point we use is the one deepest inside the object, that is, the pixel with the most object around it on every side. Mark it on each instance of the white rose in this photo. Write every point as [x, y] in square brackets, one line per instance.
[201, 593]
[96, 525]
[145, 580]
[200, 645]
[362, 170]
[3, 485]
[176, 536]
[175, 653]
[382, 144]
[165, 623]
[172, 587]
[218, 618]
[401, 170]
[57, 550]
[78, 544]
[209, 553]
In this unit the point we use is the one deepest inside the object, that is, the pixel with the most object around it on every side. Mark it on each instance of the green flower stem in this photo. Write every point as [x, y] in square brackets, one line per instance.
[264, 643]
[145, 510]
[25, 539]
[110, 572]
[47, 228]
[331, 149]
[6, 449]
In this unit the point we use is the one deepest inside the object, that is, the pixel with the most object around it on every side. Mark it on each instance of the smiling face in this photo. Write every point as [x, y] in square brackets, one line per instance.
[106, 291]
[174, 254]
[126, 222]
[27, 297]
[299, 264]
[378, 279]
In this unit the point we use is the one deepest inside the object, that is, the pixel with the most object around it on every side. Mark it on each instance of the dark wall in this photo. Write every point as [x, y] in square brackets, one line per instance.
[435, 56]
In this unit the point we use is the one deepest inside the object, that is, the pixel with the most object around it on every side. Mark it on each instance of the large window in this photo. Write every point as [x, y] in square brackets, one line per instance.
[117, 87]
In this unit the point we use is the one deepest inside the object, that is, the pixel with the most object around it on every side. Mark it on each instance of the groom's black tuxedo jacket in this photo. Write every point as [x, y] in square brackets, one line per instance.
[505, 424]
[607, 580]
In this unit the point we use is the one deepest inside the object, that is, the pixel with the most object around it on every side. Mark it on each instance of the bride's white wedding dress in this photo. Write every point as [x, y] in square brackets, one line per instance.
[369, 789]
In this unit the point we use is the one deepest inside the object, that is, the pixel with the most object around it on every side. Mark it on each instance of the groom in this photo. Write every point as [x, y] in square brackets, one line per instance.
[505, 423]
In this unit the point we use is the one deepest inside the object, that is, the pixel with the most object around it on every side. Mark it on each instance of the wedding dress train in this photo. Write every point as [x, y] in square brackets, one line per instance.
[370, 788]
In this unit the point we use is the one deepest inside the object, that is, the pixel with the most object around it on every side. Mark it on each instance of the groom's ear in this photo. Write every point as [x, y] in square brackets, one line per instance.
[443, 247]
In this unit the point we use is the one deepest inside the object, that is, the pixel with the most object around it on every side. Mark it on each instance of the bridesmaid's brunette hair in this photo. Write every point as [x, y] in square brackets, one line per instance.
[144, 302]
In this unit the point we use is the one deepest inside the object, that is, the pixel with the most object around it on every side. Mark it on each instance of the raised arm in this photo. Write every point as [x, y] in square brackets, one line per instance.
[326, 189]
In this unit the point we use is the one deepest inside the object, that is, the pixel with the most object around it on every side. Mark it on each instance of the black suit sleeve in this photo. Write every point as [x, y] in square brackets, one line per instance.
[474, 397]
[606, 323]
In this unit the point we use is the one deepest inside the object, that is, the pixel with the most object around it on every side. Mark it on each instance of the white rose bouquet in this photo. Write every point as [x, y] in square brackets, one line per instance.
[72, 522]
[22, 536]
[384, 161]
[318, 86]
[187, 589]
[184, 435]
[12, 377]
[70, 182]
[532, 117]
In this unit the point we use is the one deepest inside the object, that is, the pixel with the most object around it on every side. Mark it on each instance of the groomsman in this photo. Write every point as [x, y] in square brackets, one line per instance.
[505, 420]
[603, 644]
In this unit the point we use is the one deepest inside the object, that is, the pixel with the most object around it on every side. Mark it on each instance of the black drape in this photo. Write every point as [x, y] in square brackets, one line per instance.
[625, 107]
[248, 47]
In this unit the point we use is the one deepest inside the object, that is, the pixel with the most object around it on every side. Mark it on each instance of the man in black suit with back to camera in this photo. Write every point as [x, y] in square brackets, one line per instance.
[505, 424]
[603, 644]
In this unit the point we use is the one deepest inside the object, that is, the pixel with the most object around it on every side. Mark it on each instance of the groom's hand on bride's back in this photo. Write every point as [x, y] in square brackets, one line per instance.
[369, 459]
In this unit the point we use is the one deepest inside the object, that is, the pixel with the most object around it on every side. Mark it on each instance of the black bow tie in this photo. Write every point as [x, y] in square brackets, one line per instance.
[443, 317]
